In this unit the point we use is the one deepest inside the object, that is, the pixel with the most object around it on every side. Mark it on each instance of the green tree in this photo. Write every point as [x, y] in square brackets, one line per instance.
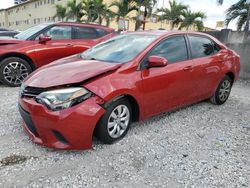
[96, 10]
[60, 12]
[108, 15]
[220, 2]
[148, 8]
[174, 13]
[192, 19]
[74, 10]
[241, 12]
[88, 11]
[124, 7]
[102, 11]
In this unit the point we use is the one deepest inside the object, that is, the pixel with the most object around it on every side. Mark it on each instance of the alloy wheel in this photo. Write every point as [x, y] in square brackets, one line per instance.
[118, 121]
[224, 90]
[15, 73]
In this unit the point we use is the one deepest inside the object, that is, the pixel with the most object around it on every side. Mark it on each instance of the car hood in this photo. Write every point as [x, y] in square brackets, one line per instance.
[9, 40]
[69, 70]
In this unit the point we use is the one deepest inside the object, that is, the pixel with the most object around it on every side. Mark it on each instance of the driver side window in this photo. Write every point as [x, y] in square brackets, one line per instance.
[59, 33]
[174, 49]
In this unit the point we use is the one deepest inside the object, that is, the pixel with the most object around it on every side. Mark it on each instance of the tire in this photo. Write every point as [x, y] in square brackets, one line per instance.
[108, 124]
[223, 91]
[13, 70]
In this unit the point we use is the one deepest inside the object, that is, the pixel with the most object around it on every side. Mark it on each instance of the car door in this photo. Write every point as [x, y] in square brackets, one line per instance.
[165, 88]
[60, 45]
[205, 56]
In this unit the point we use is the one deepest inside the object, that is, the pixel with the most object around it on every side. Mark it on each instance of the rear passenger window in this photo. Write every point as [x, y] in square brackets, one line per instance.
[174, 49]
[101, 32]
[201, 46]
[85, 33]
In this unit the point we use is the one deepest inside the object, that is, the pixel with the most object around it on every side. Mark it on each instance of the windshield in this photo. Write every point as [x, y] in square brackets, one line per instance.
[24, 35]
[120, 49]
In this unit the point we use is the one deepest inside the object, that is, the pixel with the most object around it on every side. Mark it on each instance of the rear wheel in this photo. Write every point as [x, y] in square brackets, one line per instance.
[13, 70]
[115, 123]
[223, 91]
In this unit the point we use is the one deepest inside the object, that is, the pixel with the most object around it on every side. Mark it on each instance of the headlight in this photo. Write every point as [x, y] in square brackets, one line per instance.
[63, 98]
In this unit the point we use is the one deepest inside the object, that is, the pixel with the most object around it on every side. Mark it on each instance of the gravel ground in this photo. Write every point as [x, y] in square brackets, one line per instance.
[199, 146]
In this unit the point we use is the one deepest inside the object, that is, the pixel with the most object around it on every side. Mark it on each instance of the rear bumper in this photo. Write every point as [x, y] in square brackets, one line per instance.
[66, 129]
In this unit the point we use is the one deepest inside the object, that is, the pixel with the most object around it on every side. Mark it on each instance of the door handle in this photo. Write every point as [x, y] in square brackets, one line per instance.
[188, 68]
[69, 45]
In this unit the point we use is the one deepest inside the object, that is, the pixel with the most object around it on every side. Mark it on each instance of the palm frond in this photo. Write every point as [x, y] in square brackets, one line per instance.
[238, 11]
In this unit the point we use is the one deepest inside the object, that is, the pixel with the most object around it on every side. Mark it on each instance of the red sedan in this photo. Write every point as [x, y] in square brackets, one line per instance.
[124, 79]
[43, 44]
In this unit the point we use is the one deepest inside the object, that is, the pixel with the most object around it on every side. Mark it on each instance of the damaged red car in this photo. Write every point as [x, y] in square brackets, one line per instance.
[128, 78]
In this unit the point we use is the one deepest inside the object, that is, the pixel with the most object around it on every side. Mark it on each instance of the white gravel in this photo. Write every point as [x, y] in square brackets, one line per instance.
[199, 146]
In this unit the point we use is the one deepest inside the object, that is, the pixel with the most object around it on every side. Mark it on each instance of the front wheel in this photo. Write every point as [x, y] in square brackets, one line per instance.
[115, 123]
[223, 91]
[13, 70]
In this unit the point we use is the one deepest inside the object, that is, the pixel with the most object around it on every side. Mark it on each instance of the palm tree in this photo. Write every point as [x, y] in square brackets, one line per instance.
[174, 13]
[220, 2]
[107, 14]
[148, 8]
[102, 11]
[241, 12]
[88, 10]
[192, 19]
[60, 12]
[124, 8]
[74, 10]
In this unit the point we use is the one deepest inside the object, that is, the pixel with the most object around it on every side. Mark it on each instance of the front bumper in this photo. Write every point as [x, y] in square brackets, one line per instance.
[70, 128]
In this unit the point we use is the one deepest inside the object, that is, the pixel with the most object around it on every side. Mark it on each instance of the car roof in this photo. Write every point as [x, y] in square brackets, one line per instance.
[84, 24]
[163, 33]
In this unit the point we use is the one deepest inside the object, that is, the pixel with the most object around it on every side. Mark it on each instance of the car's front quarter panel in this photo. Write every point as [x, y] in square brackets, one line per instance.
[24, 48]
[119, 83]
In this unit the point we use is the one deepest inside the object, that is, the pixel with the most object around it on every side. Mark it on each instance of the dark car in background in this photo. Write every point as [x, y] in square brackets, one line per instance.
[3, 29]
[8, 33]
[44, 43]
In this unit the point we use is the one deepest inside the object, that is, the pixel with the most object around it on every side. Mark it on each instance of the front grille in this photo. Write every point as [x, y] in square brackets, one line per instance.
[28, 121]
[31, 92]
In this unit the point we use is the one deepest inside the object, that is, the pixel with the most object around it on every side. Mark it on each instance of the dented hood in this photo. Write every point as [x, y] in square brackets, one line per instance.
[68, 71]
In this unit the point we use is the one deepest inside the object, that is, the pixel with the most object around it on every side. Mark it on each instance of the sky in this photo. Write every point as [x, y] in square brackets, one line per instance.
[213, 11]
[6, 3]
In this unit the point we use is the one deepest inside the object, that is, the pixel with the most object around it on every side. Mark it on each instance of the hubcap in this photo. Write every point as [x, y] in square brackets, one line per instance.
[118, 121]
[15, 73]
[224, 90]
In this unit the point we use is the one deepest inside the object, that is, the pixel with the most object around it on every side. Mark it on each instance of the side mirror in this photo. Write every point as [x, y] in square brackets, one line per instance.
[157, 61]
[43, 39]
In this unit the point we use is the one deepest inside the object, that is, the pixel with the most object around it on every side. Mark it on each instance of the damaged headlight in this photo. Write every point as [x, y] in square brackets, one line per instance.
[63, 98]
